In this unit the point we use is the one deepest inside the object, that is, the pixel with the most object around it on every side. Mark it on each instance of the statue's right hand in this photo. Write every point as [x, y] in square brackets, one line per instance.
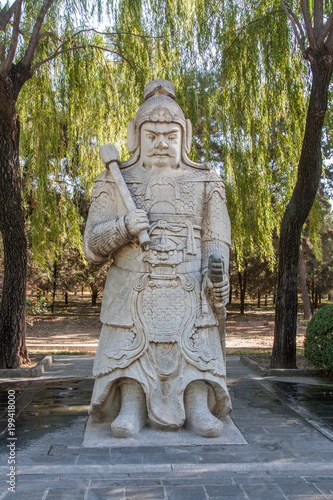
[136, 221]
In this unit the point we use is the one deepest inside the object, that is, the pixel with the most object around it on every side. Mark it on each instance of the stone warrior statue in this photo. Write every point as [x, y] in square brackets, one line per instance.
[160, 357]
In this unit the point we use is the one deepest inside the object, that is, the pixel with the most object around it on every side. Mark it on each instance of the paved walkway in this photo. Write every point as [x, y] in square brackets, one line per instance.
[286, 423]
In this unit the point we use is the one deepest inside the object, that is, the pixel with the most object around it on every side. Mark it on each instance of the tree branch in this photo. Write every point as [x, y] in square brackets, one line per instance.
[13, 43]
[34, 40]
[243, 28]
[20, 31]
[329, 41]
[116, 33]
[104, 33]
[296, 26]
[59, 52]
[48, 34]
[2, 53]
[308, 24]
[325, 30]
[60, 49]
[318, 14]
[6, 14]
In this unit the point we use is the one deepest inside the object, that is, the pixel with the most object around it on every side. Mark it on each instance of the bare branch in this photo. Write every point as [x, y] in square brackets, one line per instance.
[59, 52]
[105, 33]
[6, 14]
[296, 26]
[318, 14]
[20, 31]
[326, 29]
[34, 40]
[116, 33]
[299, 26]
[60, 49]
[308, 24]
[13, 43]
[2, 53]
[48, 34]
[329, 41]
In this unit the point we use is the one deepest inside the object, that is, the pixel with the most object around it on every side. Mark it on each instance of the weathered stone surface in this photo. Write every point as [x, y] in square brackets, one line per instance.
[163, 220]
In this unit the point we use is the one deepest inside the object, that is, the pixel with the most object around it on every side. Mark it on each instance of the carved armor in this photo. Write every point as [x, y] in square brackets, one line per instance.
[159, 327]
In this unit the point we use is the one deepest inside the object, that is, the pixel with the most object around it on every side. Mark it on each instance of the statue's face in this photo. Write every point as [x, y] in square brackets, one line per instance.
[161, 144]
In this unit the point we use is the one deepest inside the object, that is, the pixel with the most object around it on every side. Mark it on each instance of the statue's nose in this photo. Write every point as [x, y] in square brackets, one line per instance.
[161, 144]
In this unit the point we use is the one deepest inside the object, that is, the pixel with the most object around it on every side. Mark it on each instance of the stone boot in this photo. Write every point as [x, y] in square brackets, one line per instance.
[133, 414]
[198, 416]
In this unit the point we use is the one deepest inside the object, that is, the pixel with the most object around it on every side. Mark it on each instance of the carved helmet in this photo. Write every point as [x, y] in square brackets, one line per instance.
[159, 105]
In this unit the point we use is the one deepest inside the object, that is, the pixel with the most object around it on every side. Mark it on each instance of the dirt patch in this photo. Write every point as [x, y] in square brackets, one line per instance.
[80, 324]
[256, 330]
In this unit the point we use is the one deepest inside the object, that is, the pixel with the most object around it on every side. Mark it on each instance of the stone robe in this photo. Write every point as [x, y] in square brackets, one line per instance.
[159, 327]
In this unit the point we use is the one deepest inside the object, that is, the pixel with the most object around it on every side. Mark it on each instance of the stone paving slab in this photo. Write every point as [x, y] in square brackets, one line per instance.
[285, 455]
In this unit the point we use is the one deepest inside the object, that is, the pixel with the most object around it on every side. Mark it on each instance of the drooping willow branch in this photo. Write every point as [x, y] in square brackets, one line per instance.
[78, 47]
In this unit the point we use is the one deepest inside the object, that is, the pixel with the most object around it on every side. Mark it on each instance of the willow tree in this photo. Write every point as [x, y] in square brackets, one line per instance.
[271, 65]
[273, 69]
[313, 29]
[245, 82]
[273, 62]
[65, 80]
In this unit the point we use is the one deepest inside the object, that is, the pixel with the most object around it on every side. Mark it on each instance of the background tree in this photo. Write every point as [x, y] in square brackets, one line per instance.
[54, 72]
[315, 28]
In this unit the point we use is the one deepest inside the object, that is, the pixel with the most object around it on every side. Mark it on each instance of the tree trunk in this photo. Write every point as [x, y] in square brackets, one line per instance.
[242, 288]
[54, 284]
[297, 211]
[303, 286]
[259, 300]
[315, 303]
[312, 292]
[66, 298]
[94, 295]
[12, 226]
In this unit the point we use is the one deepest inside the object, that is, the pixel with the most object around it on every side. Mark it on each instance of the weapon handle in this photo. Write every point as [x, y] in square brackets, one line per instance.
[215, 273]
[215, 268]
[127, 197]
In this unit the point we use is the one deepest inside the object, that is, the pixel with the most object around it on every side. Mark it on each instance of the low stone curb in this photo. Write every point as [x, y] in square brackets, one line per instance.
[36, 371]
[279, 372]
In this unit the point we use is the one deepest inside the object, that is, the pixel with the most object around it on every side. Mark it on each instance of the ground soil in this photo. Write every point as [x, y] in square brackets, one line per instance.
[78, 323]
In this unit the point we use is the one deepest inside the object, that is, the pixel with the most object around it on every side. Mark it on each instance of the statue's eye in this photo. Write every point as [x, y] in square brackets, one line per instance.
[154, 252]
[152, 137]
[171, 253]
[172, 136]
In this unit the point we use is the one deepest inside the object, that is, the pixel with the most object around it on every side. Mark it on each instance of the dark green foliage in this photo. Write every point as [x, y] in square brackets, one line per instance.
[319, 339]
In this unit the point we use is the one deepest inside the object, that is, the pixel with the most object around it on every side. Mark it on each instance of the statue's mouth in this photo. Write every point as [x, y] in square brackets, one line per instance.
[161, 154]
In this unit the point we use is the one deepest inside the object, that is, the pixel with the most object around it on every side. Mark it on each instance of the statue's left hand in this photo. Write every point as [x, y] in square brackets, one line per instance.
[220, 291]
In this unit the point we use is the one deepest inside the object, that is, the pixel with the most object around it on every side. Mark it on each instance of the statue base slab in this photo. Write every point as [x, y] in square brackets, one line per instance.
[99, 436]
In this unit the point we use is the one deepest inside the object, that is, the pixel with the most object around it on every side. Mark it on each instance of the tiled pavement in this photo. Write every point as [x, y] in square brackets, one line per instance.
[286, 423]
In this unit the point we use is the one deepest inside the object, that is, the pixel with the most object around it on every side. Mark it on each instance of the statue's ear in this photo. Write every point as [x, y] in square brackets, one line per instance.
[188, 136]
[132, 136]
